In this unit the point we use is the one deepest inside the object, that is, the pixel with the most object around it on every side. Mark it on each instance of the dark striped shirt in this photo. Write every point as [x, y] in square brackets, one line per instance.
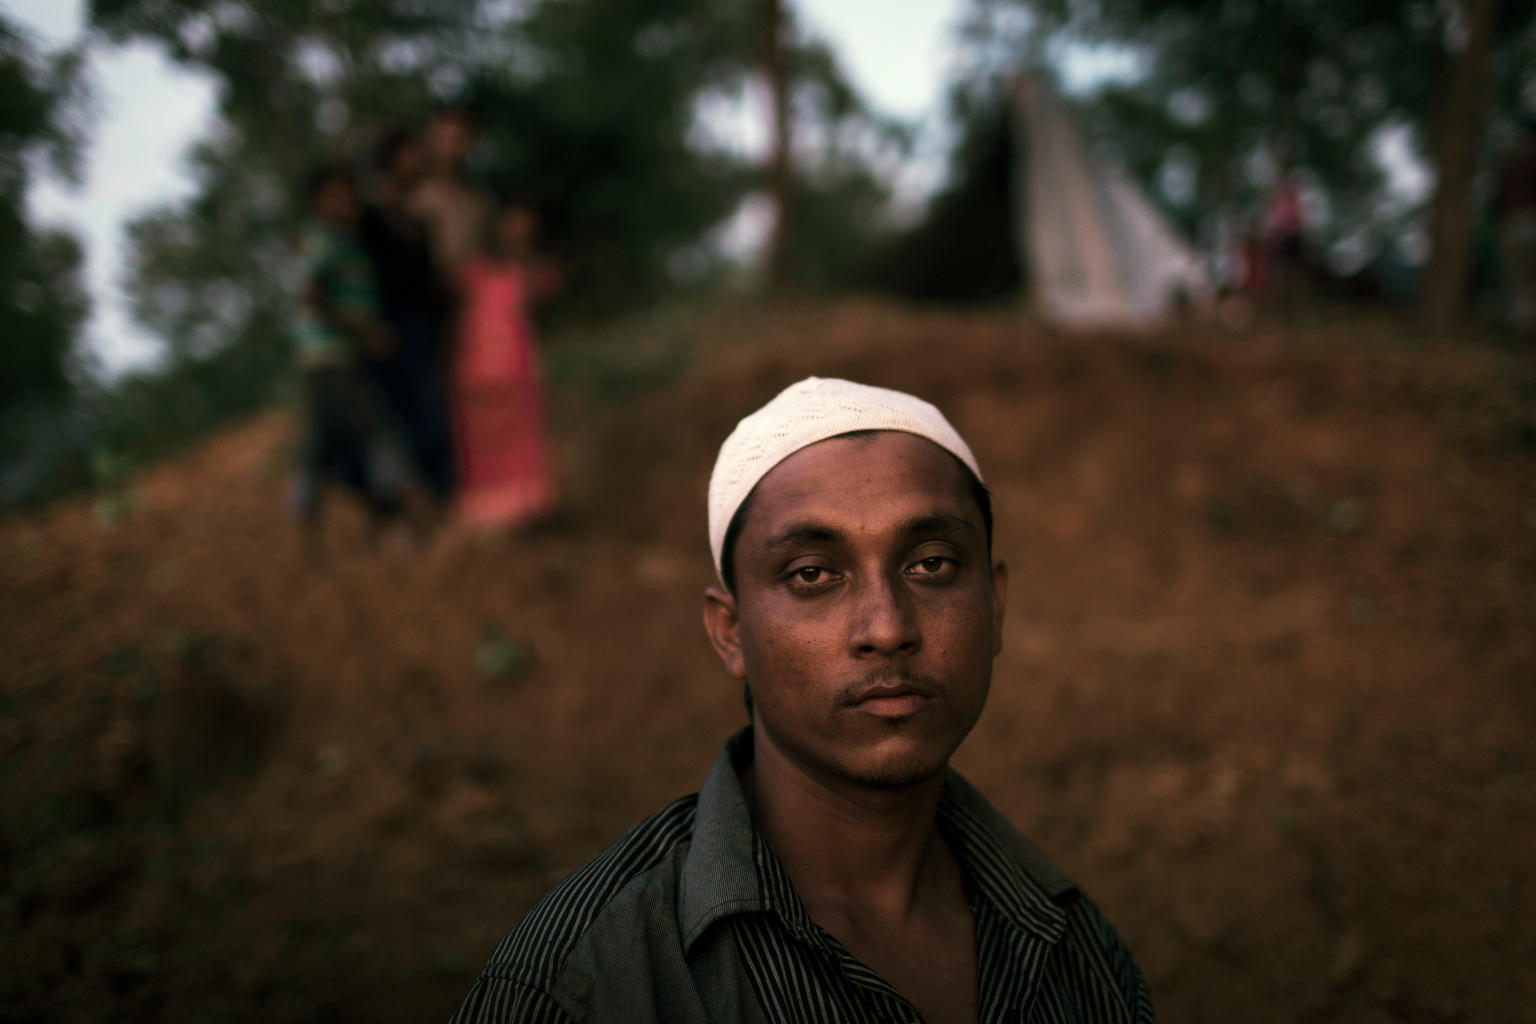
[691, 918]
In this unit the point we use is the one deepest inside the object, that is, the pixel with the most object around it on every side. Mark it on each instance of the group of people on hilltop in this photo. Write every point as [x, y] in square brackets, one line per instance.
[422, 389]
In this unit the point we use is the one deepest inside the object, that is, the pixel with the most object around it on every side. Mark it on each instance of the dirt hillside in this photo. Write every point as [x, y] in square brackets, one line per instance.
[1268, 693]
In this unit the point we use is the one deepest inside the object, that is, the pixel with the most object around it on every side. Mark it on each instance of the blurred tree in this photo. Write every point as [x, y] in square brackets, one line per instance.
[1227, 95]
[42, 304]
[1462, 115]
[837, 183]
[621, 162]
[297, 83]
[594, 116]
[591, 108]
[963, 249]
[43, 108]
[781, 157]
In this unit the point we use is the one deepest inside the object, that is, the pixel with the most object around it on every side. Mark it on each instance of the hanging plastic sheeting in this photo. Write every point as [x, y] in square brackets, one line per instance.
[1098, 253]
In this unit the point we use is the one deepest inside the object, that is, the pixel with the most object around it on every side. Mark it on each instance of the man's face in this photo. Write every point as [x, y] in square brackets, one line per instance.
[336, 202]
[407, 164]
[867, 610]
[450, 137]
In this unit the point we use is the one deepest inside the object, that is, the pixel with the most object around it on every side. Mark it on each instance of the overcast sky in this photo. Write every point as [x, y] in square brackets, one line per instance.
[149, 111]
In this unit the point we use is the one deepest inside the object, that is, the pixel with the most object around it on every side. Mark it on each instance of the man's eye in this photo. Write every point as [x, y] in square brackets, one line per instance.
[809, 574]
[932, 565]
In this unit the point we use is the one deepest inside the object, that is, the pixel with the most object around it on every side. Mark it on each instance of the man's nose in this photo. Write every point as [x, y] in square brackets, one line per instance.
[885, 620]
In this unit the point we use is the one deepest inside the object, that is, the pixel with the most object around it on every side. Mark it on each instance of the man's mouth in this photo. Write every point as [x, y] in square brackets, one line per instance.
[891, 698]
[892, 706]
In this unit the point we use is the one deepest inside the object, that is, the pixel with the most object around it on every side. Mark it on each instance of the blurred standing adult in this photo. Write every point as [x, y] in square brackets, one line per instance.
[1284, 245]
[1514, 207]
[415, 305]
[455, 209]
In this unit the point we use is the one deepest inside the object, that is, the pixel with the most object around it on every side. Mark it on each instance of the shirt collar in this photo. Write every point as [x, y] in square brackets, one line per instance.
[720, 875]
[730, 869]
[1007, 869]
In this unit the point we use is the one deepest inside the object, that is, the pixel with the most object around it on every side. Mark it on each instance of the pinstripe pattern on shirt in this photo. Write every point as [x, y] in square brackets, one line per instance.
[633, 926]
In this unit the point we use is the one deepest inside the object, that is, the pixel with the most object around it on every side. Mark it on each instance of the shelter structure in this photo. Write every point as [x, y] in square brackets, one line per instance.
[1098, 253]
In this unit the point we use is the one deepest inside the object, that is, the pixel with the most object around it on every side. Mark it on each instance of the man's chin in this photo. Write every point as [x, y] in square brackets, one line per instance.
[895, 770]
[895, 760]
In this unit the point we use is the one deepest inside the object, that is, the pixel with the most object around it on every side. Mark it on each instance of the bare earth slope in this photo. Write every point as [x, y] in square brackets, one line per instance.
[1269, 687]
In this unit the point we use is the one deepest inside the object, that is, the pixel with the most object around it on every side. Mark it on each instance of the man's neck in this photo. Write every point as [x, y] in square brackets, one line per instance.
[853, 852]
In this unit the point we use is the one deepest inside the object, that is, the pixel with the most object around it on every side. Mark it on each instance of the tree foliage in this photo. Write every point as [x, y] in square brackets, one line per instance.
[593, 118]
[593, 109]
[297, 83]
[963, 249]
[590, 108]
[43, 106]
[1228, 94]
[42, 304]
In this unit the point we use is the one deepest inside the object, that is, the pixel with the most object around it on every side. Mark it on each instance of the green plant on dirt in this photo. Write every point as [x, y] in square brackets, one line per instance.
[501, 657]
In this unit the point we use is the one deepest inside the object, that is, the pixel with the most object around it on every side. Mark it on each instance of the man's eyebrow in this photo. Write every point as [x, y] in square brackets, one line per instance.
[811, 531]
[804, 533]
[940, 524]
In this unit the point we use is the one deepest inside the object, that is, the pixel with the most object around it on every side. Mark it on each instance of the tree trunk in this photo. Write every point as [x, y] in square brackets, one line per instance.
[781, 176]
[1461, 118]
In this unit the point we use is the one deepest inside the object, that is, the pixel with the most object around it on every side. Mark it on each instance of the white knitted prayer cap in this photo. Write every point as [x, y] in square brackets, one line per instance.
[804, 413]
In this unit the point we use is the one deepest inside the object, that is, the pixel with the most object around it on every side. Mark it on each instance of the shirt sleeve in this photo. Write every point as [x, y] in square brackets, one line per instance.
[497, 1000]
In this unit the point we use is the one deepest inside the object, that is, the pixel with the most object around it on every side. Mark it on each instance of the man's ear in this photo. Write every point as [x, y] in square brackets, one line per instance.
[724, 629]
[999, 603]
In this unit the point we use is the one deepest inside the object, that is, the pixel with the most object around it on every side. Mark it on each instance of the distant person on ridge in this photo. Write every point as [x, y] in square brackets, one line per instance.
[1284, 244]
[1514, 208]
[347, 433]
[833, 868]
[416, 308]
[498, 381]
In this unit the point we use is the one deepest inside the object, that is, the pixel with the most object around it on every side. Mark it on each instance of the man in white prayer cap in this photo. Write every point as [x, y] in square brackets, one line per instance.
[832, 868]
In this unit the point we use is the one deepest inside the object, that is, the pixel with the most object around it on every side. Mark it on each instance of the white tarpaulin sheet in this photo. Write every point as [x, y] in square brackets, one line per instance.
[1097, 252]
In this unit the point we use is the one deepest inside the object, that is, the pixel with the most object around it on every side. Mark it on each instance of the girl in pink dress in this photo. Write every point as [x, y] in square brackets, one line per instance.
[504, 470]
